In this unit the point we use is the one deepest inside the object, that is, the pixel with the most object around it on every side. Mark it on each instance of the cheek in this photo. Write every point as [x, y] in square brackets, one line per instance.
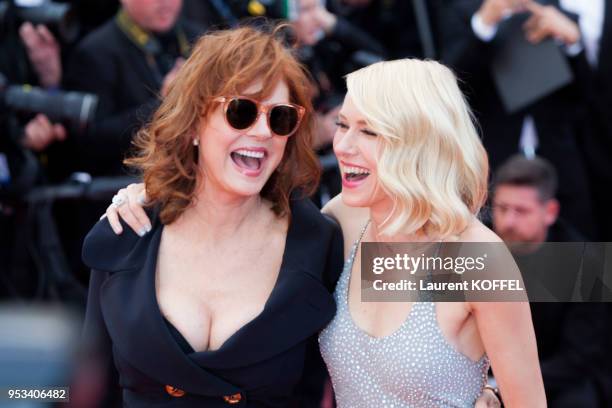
[280, 149]
[529, 223]
[311, 23]
[497, 217]
[216, 145]
[298, 25]
[542, 220]
[336, 141]
[212, 156]
[336, 138]
[370, 155]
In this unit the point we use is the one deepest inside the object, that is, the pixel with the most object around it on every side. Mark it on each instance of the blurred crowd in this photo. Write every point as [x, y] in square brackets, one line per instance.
[78, 78]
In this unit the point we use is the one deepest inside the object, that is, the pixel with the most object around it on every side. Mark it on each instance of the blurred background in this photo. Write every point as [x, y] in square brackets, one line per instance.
[78, 78]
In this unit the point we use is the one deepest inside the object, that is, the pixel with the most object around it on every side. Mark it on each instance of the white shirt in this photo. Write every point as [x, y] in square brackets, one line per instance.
[591, 20]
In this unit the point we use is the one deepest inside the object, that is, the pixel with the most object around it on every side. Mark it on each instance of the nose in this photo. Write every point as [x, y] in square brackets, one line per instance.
[344, 144]
[508, 218]
[260, 128]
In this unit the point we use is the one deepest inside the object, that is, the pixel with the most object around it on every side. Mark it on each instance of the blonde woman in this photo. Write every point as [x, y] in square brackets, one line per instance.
[413, 170]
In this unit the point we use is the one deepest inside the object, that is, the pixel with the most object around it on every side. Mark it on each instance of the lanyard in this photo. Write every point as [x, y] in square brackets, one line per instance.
[148, 43]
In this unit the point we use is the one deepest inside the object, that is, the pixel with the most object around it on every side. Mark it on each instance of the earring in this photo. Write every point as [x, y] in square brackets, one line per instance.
[196, 142]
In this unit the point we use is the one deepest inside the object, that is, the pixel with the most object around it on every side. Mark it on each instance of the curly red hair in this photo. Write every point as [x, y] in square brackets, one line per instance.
[224, 63]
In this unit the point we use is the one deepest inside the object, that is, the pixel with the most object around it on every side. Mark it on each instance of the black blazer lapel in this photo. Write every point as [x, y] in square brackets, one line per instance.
[298, 308]
[140, 336]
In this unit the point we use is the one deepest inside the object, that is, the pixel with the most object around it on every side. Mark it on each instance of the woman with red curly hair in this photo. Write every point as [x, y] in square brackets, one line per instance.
[200, 308]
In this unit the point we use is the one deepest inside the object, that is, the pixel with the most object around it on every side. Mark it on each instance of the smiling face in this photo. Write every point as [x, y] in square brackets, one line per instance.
[240, 162]
[356, 146]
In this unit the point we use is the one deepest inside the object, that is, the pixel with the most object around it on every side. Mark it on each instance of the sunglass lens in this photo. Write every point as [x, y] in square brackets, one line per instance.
[283, 120]
[241, 113]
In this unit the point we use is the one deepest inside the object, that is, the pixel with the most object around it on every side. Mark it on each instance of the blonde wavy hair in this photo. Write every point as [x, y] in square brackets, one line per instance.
[431, 162]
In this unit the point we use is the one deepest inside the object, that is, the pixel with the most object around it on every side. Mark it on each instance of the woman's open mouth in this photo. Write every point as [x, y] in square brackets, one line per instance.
[353, 176]
[249, 161]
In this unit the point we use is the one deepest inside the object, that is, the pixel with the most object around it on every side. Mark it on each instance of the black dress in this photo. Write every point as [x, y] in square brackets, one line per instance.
[258, 366]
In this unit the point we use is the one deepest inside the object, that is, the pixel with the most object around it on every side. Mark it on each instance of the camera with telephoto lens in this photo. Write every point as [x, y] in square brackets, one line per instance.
[75, 109]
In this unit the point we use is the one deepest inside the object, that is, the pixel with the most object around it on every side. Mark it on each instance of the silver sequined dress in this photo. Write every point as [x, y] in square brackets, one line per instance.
[413, 367]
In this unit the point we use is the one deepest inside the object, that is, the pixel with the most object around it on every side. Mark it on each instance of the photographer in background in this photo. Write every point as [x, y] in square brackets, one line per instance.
[35, 37]
[30, 55]
[44, 54]
[128, 62]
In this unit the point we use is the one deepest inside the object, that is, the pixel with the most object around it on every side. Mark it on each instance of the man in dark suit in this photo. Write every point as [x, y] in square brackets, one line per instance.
[570, 336]
[469, 44]
[128, 62]
[595, 18]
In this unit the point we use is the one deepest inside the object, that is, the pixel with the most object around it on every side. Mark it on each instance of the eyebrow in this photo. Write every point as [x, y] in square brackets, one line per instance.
[359, 122]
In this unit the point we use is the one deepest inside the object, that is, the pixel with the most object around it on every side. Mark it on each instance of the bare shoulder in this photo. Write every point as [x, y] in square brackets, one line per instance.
[478, 232]
[499, 265]
[484, 239]
[345, 214]
[351, 219]
[334, 207]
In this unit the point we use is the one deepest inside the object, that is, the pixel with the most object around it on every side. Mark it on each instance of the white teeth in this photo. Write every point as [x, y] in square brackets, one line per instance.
[355, 170]
[248, 153]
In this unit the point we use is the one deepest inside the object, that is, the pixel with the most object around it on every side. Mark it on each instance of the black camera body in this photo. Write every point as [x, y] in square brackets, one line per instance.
[20, 170]
[75, 109]
[60, 18]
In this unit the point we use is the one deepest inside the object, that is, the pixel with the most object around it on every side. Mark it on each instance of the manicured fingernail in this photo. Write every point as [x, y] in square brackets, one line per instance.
[142, 231]
[148, 227]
